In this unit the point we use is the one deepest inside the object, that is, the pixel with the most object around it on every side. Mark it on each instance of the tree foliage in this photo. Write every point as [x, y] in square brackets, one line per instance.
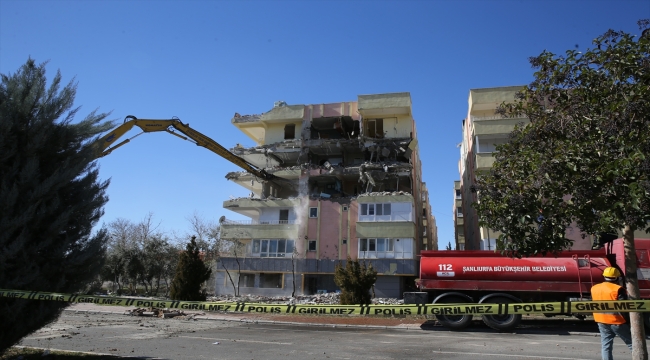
[584, 158]
[355, 281]
[50, 197]
[191, 273]
[138, 255]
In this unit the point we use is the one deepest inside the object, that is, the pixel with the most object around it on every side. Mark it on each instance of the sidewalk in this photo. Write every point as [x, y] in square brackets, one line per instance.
[409, 322]
[535, 324]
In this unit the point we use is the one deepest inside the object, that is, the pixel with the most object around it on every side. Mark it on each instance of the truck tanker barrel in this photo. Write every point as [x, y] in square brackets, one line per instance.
[489, 277]
[535, 269]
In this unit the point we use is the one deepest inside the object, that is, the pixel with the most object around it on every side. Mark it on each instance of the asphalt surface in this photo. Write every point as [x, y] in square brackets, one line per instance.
[231, 338]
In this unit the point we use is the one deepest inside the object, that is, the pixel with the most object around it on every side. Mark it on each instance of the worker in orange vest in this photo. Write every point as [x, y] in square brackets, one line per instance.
[611, 324]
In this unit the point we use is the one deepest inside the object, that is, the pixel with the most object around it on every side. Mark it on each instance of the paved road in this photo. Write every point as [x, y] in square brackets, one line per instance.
[217, 339]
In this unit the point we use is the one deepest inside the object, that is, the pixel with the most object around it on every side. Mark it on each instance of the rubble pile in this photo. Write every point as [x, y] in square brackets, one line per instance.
[156, 312]
[318, 299]
[384, 193]
[238, 118]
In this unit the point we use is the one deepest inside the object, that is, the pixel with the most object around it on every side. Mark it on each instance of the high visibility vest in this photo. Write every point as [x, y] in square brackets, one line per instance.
[607, 291]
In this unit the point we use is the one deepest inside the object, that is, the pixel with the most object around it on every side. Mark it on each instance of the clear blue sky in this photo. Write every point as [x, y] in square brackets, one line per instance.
[202, 61]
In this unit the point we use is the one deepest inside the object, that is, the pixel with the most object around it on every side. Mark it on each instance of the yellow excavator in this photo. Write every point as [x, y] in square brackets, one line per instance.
[103, 145]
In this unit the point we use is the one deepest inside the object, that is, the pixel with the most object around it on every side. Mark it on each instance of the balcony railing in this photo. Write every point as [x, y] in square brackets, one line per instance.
[259, 222]
[493, 117]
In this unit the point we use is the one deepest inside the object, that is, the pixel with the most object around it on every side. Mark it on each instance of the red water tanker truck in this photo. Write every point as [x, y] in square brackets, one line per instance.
[488, 277]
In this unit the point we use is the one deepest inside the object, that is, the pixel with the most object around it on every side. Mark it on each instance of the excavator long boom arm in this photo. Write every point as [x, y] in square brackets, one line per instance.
[104, 145]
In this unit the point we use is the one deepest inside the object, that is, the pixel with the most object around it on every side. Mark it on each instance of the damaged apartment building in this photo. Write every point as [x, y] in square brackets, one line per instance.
[347, 182]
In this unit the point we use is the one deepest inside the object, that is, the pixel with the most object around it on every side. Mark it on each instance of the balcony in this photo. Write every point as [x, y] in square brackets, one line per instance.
[380, 105]
[495, 125]
[251, 207]
[484, 161]
[405, 229]
[253, 229]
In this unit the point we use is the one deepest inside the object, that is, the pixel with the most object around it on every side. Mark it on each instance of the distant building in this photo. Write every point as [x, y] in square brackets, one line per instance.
[457, 215]
[350, 184]
[483, 130]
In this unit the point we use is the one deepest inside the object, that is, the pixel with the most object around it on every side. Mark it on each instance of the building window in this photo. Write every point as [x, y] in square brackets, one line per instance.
[382, 248]
[290, 131]
[459, 211]
[284, 216]
[458, 194]
[385, 212]
[313, 212]
[271, 281]
[247, 280]
[345, 208]
[345, 241]
[272, 248]
[374, 128]
[311, 245]
[375, 209]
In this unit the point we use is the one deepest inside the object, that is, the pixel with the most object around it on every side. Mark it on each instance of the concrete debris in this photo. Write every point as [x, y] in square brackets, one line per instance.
[385, 193]
[156, 312]
[246, 118]
[318, 299]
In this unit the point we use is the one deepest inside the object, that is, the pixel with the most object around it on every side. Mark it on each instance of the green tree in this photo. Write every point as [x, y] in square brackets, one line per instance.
[113, 269]
[191, 273]
[50, 197]
[355, 281]
[584, 158]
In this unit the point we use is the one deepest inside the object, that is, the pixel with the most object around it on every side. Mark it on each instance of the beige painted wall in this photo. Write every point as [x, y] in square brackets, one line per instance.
[284, 113]
[490, 98]
[398, 127]
[496, 126]
[384, 199]
[385, 101]
[275, 132]
[385, 230]
[484, 161]
[237, 231]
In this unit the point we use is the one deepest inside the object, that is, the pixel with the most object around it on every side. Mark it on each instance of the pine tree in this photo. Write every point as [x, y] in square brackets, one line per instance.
[50, 198]
[355, 281]
[191, 273]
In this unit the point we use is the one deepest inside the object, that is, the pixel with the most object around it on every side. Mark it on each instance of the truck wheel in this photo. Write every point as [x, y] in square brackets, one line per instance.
[454, 322]
[501, 322]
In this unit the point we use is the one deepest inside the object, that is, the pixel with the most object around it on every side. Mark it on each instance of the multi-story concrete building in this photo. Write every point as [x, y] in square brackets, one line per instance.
[457, 215]
[349, 184]
[430, 228]
[483, 130]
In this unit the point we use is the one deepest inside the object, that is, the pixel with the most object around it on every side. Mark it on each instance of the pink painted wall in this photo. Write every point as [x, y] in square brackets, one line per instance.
[330, 229]
[353, 242]
[333, 228]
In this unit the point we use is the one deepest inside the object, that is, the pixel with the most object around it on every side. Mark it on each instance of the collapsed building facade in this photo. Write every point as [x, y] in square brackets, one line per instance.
[348, 182]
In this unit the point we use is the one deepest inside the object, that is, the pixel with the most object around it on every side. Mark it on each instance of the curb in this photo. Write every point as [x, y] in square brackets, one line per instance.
[293, 323]
[265, 322]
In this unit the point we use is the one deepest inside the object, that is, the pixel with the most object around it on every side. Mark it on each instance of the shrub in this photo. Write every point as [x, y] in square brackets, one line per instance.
[355, 281]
